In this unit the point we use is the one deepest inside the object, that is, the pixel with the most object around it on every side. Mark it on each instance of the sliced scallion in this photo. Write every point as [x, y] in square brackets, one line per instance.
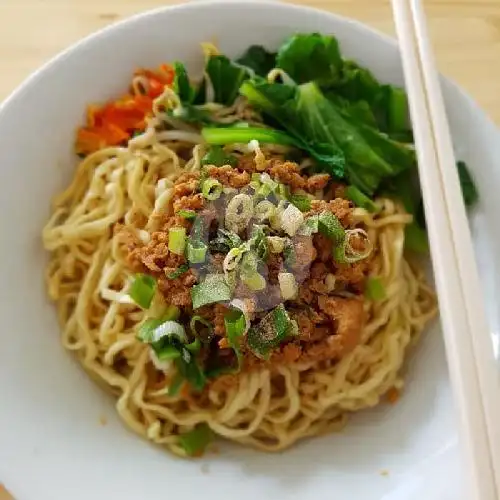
[195, 442]
[310, 226]
[167, 329]
[254, 281]
[345, 253]
[273, 329]
[288, 285]
[301, 201]
[142, 290]
[177, 240]
[194, 330]
[213, 289]
[211, 189]
[235, 325]
[187, 214]
[146, 330]
[196, 252]
[291, 219]
[331, 227]
[264, 210]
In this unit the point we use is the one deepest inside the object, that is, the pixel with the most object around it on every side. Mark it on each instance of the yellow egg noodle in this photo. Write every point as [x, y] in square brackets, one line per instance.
[87, 277]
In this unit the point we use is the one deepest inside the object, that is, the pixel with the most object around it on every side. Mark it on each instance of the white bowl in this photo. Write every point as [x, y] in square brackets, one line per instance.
[52, 445]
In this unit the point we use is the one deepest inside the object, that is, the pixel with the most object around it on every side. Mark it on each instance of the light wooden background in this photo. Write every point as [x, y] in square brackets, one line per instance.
[466, 36]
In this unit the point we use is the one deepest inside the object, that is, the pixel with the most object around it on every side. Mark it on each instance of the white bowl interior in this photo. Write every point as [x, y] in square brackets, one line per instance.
[52, 445]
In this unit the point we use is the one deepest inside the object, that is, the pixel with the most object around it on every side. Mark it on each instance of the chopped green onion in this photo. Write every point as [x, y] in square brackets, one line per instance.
[235, 324]
[211, 189]
[239, 212]
[233, 258]
[187, 214]
[267, 181]
[289, 253]
[258, 242]
[178, 272]
[301, 201]
[167, 329]
[213, 289]
[199, 319]
[282, 191]
[142, 290]
[291, 219]
[196, 252]
[177, 240]
[167, 352]
[331, 227]
[375, 289]
[344, 253]
[254, 281]
[288, 285]
[360, 199]
[146, 330]
[217, 157]
[196, 441]
[276, 244]
[194, 346]
[264, 210]
[310, 226]
[273, 329]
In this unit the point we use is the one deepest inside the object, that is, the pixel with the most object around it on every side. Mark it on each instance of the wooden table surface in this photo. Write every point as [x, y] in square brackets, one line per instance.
[466, 36]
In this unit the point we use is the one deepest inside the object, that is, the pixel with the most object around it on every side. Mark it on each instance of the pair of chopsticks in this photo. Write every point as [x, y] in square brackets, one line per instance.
[474, 371]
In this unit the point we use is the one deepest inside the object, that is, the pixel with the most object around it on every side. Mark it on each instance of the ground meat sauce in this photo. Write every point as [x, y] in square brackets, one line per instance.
[328, 308]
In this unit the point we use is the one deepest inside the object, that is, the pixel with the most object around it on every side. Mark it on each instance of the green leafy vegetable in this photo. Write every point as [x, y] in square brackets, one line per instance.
[182, 87]
[196, 441]
[178, 272]
[218, 157]
[360, 199]
[213, 289]
[469, 190]
[375, 289]
[310, 57]
[273, 329]
[231, 135]
[142, 290]
[226, 78]
[258, 59]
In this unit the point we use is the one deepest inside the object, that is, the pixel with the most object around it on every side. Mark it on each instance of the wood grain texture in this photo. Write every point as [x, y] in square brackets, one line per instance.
[466, 36]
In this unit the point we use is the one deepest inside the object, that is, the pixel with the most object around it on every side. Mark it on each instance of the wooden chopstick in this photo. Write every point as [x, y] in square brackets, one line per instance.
[462, 315]
[488, 368]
